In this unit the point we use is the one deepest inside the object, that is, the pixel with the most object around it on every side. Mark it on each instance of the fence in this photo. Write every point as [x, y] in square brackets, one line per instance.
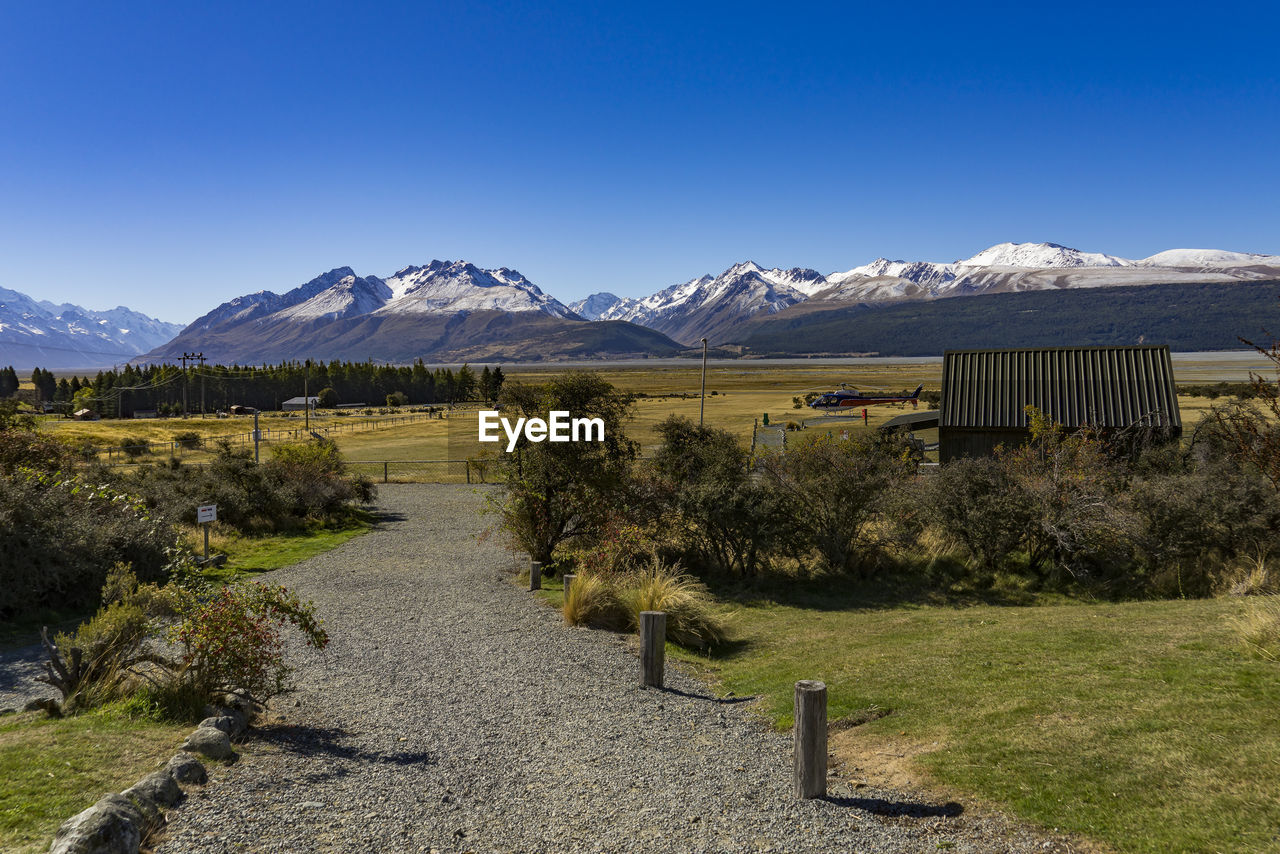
[424, 471]
[176, 446]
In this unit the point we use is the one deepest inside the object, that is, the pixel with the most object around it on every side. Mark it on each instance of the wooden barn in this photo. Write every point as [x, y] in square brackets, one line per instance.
[985, 394]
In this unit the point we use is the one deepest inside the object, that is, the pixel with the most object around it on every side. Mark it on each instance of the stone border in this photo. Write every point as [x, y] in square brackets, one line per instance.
[118, 823]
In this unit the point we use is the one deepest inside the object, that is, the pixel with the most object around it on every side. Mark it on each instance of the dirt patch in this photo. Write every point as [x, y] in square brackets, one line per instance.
[892, 762]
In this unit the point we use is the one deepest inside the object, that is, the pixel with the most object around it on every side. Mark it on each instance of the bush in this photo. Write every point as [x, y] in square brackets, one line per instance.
[397, 399]
[326, 399]
[723, 517]
[61, 534]
[975, 502]
[134, 448]
[189, 439]
[834, 489]
[228, 640]
[300, 484]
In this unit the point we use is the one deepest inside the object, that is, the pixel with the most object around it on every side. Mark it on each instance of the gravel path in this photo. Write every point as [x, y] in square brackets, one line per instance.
[18, 671]
[455, 712]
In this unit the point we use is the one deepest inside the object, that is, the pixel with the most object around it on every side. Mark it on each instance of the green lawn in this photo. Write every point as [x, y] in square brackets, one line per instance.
[1142, 725]
[52, 769]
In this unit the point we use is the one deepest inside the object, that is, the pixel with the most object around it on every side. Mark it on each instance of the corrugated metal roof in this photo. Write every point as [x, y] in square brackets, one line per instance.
[1101, 386]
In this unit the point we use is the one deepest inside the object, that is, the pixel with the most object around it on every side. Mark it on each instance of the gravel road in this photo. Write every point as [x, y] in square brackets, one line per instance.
[455, 712]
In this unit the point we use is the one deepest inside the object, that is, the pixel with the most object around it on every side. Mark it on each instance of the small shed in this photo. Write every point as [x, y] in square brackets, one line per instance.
[295, 404]
[85, 415]
[985, 394]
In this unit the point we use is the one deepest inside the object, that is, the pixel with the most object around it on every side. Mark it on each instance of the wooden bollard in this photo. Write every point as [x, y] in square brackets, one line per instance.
[653, 647]
[811, 739]
[535, 575]
[568, 582]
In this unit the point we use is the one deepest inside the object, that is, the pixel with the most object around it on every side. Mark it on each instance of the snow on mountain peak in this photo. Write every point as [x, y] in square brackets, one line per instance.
[1040, 256]
[1206, 258]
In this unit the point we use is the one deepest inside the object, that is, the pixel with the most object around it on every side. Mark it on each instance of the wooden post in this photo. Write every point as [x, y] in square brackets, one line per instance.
[384, 470]
[653, 647]
[568, 582]
[811, 739]
[535, 575]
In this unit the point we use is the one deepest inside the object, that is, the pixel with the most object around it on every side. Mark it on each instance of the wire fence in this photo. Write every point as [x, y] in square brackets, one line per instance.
[178, 447]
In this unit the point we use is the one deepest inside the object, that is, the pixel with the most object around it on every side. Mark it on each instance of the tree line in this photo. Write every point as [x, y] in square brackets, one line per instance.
[169, 389]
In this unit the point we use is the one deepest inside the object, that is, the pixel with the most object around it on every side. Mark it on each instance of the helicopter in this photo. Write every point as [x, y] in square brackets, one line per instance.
[835, 401]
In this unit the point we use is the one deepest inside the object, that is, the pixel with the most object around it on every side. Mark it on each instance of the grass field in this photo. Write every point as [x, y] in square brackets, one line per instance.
[738, 397]
[52, 769]
[1142, 725]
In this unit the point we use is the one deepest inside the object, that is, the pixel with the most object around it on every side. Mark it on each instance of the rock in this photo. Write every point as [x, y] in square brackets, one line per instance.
[226, 723]
[159, 787]
[210, 742]
[114, 825]
[44, 704]
[4, 712]
[185, 768]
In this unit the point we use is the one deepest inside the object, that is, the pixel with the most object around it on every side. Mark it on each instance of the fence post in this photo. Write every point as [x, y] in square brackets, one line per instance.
[653, 647]
[468, 462]
[811, 739]
[535, 575]
[568, 582]
[384, 471]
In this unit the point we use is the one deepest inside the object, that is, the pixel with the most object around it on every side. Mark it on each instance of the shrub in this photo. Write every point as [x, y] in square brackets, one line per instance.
[722, 516]
[976, 503]
[397, 399]
[61, 534]
[134, 448]
[300, 483]
[97, 663]
[326, 399]
[25, 448]
[188, 439]
[228, 640]
[835, 488]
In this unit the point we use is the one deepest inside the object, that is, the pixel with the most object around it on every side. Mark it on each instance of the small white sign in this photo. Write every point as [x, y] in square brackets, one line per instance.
[207, 513]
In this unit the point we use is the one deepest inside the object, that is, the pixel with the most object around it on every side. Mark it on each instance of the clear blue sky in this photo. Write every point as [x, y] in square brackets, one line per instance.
[172, 156]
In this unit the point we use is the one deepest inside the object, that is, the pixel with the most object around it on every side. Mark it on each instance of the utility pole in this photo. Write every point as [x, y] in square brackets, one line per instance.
[306, 395]
[185, 356]
[702, 403]
[200, 356]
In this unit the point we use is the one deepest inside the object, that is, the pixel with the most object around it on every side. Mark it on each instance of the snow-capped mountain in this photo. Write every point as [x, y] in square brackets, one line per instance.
[602, 306]
[447, 308]
[452, 286]
[40, 333]
[707, 306]
[1008, 267]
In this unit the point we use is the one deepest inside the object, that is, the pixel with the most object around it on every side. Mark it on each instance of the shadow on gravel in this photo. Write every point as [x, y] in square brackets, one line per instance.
[327, 742]
[383, 516]
[903, 809]
[708, 697]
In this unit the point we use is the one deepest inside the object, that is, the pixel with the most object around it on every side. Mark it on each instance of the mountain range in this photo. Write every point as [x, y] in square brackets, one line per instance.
[37, 332]
[445, 311]
[456, 311]
[717, 307]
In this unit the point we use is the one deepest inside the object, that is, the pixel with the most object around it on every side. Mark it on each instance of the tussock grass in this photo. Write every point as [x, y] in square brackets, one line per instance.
[614, 601]
[692, 619]
[593, 601]
[1259, 627]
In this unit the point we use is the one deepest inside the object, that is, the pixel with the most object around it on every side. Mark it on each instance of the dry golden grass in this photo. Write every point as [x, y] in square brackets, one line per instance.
[1259, 627]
